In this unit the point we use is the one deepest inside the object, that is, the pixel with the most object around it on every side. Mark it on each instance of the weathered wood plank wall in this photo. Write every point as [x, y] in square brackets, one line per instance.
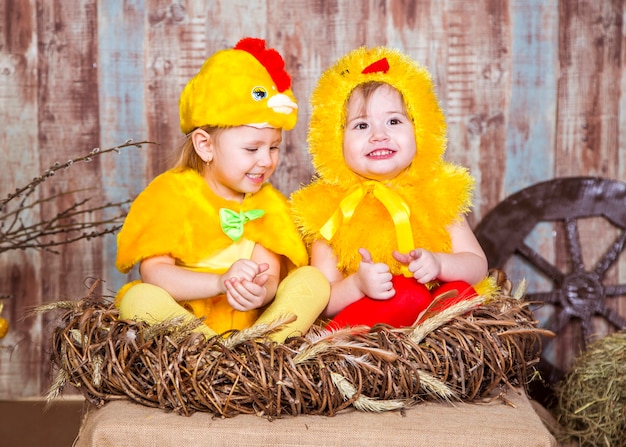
[533, 89]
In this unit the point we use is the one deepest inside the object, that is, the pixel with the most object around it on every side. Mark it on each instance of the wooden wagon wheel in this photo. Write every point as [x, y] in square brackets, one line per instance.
[579, 294]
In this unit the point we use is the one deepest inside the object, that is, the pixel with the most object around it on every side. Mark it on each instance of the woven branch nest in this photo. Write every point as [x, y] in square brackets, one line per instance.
[463, 353]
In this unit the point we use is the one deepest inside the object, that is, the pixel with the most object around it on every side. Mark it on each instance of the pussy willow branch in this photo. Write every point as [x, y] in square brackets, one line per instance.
[18, 232]
[64, 223]
[95, 152]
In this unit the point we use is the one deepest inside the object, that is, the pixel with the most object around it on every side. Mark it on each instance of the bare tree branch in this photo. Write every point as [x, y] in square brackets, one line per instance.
[18, 231]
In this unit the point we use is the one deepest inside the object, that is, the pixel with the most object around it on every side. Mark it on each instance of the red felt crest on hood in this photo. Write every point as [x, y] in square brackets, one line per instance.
[269, 58]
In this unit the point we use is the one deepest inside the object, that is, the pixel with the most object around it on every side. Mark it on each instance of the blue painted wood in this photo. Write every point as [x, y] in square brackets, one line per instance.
[533, 95]
[121, 38]
[532, 116]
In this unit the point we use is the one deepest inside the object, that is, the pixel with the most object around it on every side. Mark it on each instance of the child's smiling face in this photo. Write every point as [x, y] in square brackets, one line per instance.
[379, 138]
[241, 159]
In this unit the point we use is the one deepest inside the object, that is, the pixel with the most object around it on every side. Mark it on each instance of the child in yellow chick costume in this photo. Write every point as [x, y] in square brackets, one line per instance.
[214, 240]
[385, 217]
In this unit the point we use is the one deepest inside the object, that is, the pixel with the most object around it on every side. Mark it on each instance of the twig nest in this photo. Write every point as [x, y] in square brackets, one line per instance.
[591, 399]
[463, 353]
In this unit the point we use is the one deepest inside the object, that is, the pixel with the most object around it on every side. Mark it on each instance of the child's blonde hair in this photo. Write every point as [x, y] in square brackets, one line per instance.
[187, 157]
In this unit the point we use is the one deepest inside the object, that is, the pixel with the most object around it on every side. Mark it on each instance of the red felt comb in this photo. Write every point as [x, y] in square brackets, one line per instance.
[381, 65]
[269, 58]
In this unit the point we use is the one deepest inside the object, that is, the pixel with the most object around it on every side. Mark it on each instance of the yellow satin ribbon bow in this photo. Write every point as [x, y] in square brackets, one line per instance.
[232, 222]
[395, 205]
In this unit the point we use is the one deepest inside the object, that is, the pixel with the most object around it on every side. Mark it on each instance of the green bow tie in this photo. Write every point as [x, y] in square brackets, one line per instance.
[232, 222]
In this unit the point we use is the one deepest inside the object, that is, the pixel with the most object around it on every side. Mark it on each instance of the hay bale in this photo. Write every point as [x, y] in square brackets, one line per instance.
[463, 353]
[591, 399]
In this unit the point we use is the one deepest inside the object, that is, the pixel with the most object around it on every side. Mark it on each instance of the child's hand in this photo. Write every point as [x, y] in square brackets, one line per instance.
[424, 265]
[243, 269]
[374, 279]
[248, 292]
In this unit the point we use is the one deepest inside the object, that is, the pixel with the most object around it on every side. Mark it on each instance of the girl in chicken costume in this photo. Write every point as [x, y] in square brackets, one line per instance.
[385, 217]
[213, 238]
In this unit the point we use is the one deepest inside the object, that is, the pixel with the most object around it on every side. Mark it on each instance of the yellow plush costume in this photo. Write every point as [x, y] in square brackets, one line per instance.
[178, 215]
[434, 191]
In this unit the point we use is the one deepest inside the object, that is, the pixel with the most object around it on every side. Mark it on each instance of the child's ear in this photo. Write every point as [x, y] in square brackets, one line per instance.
[203, 145]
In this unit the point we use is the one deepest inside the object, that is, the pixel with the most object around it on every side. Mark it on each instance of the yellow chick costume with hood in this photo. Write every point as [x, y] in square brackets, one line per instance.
[412, 210]
[180, 216]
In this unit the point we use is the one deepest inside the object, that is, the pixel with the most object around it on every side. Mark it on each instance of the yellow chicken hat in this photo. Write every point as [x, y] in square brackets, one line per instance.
[245, 85]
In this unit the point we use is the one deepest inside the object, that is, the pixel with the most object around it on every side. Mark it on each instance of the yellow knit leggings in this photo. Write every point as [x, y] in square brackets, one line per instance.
[304, 293]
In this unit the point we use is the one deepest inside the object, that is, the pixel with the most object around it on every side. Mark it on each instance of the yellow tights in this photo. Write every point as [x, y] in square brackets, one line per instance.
[304, 293]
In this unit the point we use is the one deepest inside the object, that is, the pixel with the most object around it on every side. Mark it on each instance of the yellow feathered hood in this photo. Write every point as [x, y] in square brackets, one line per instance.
[328, 116]
[435, 191]
[245, 85]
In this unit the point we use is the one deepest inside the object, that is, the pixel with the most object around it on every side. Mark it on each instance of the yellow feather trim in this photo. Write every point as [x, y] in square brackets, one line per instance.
[433, 209]
[487, 287]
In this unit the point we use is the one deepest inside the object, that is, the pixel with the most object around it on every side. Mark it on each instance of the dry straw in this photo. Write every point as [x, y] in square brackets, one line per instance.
[591, 399]
[465, 354]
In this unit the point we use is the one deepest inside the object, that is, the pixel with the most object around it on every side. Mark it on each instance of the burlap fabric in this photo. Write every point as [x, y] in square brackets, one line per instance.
[124, 423]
